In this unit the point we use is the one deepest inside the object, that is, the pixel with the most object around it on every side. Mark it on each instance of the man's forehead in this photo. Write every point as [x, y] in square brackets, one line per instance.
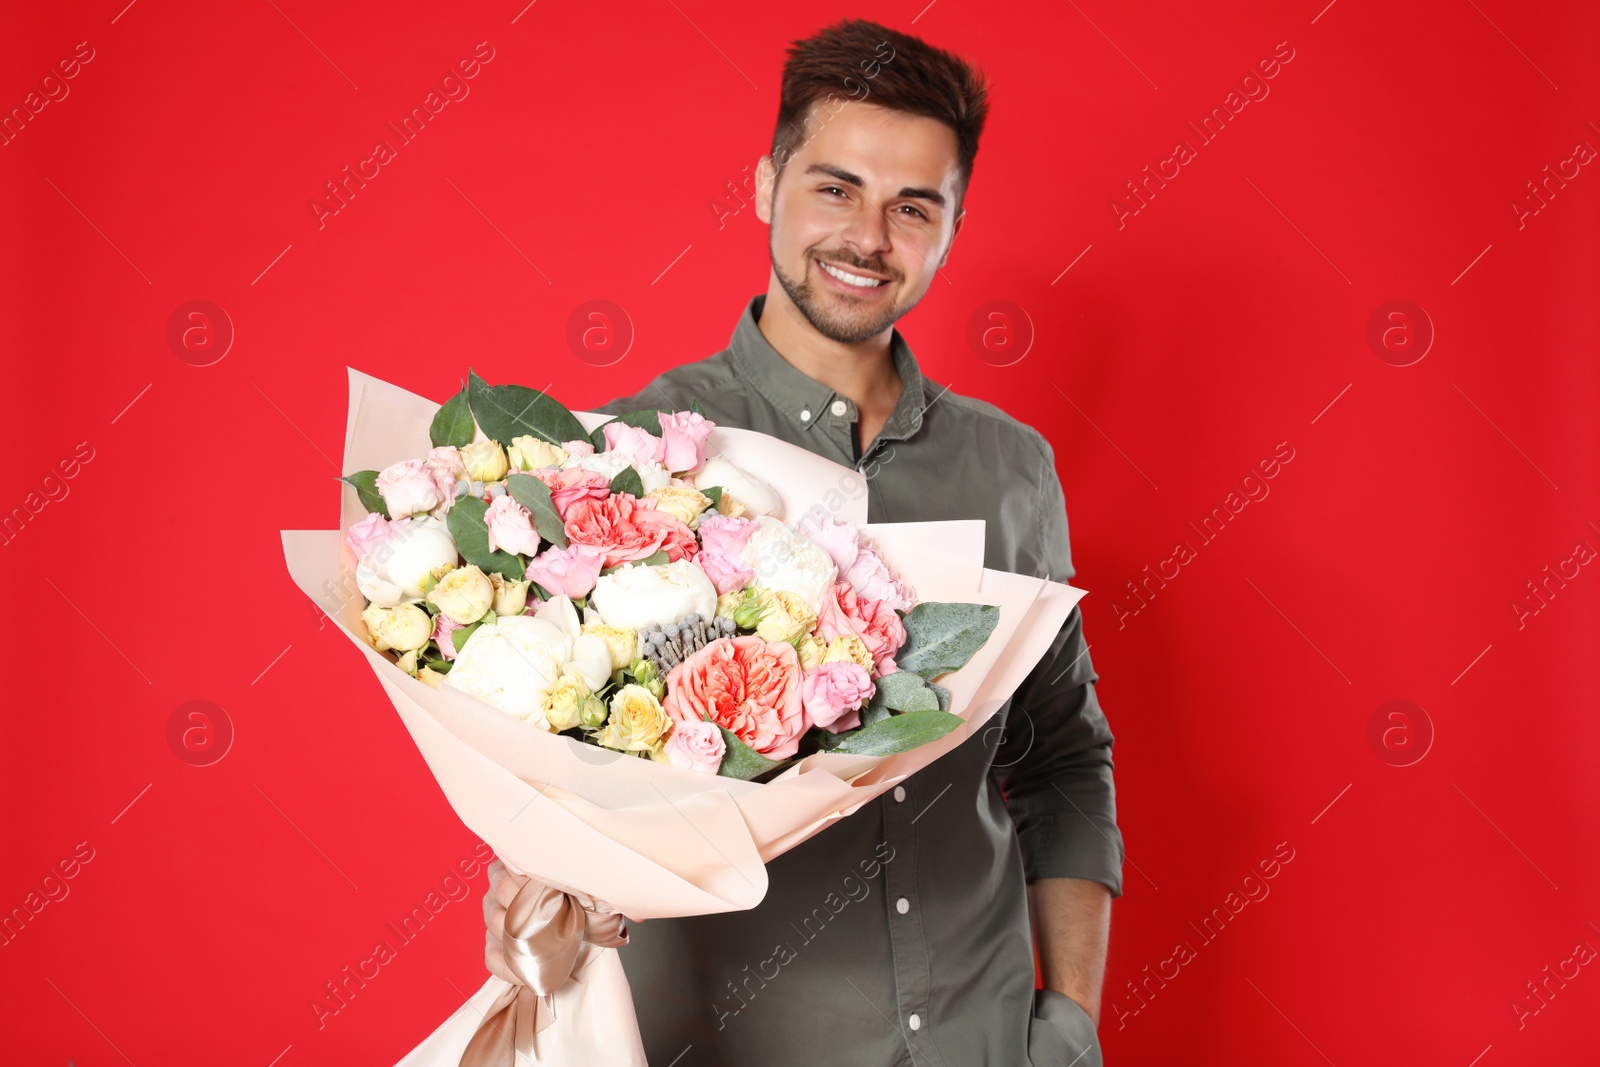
[885, 148]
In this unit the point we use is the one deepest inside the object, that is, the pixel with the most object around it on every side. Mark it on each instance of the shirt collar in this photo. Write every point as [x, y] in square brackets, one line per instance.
[803, 399]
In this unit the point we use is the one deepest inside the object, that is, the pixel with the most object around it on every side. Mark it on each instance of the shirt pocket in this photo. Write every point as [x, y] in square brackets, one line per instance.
[1060, 1033]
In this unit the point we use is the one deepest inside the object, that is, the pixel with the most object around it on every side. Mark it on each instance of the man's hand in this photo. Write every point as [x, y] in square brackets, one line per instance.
[503, 887]
[1072, 924]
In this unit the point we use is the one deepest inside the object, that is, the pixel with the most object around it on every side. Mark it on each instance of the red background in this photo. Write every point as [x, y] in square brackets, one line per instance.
[1228, 315]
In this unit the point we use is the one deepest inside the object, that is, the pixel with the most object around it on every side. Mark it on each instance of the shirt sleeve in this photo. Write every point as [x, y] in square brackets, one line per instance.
[1054, 764]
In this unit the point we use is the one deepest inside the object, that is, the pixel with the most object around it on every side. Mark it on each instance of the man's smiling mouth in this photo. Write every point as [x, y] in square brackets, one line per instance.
[859, 281]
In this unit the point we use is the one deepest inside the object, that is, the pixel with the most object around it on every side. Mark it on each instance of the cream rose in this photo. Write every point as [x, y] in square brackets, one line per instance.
[621, 641]
[564, 702]
[405, 628]
[680, 502]
[638, 722]
[485, 461]
[464, 594]
[527, 452]
[509, 597]
[849, 647]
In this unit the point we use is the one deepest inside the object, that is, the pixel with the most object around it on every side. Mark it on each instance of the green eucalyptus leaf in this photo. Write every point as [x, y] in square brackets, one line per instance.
[627, 481]
[942, 637]
[366, 487]
[715, 493]
[941, 694]
[452, 423]
[740, 760]
[471, 533]
[534, 495]
[505, 412]
[897, 733]
[899, 690]
[459, 637]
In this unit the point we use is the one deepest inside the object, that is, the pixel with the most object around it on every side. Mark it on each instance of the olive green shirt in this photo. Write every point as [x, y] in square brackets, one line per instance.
[900, 935]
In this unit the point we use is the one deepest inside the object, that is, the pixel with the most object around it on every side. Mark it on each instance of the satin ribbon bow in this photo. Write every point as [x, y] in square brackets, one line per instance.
[544, 941]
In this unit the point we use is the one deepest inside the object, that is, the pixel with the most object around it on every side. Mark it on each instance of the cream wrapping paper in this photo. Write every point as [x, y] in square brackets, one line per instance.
[651, 839]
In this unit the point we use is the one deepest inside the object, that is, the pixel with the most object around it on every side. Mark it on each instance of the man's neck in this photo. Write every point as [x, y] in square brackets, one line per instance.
[864, 372]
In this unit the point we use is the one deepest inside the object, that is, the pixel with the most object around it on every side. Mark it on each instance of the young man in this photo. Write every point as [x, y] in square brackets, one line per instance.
[901, 935]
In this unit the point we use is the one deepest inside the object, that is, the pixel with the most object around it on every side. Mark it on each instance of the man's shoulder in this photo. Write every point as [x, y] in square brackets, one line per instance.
[969, 413]
[676, 387]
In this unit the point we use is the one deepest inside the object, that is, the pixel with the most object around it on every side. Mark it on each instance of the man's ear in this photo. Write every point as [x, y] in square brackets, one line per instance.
[766, 183]
[953, 232]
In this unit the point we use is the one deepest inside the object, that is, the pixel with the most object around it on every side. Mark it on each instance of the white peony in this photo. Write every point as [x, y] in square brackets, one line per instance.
[783, 558]
[512, 663]
[422, 546]
[757, 496]
[636, 595]
[374, 585]
[588, 656]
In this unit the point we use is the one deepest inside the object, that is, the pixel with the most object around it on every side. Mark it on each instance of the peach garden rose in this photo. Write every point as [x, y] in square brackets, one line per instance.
[743, 684]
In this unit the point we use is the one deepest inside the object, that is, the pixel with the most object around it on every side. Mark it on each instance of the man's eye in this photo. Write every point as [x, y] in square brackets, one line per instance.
[914, 210]
[832, 189]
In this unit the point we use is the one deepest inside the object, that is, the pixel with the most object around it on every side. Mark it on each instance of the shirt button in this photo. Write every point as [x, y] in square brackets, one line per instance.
[902, 905]
[838, 407]
[805, 416]
[915, 1021]
[899, 793]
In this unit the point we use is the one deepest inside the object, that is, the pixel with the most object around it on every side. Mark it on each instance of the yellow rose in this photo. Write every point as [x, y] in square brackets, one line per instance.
[564, 701]
[621, 641]
[679, 502]
[485, 461]
[527, 452]
[849, 646]
[464, 594]
[787, 616]
[811, 649]
[638, 722]
[730, 507]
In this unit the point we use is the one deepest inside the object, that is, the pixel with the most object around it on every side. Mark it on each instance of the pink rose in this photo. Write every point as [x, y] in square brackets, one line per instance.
[834, 692]
[443, 627]
[371, 532]
[640, 446]
[696, 746]
[746, 685]
[722, 541]
[407, 488]
[569, 571]
[874, 621]
[511, 527]
[622, 525]
[572, 485]
[684, 434]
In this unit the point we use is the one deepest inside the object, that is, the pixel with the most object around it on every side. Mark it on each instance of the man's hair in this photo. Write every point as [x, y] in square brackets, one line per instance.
[859, 60]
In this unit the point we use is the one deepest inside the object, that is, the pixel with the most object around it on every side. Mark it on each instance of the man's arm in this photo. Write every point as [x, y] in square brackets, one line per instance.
[1054, 767]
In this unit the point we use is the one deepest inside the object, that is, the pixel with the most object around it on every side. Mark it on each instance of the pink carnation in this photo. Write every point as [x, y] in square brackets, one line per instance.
[858, 562]
[443, 627]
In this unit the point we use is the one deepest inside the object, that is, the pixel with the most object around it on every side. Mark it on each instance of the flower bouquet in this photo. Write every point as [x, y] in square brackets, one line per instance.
[643, 655]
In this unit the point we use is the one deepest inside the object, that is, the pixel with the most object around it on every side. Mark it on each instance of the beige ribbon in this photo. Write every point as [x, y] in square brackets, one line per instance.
[544, 942]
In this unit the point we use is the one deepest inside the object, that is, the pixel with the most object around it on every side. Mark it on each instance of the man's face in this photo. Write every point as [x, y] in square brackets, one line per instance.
[872, 194]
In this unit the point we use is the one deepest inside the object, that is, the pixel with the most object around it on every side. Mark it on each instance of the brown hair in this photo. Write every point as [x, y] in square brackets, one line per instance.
[859, 60]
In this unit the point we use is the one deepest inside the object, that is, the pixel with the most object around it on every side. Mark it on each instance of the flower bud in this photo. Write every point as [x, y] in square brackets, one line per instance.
[509, 597]
[592, 712]
[646, 674]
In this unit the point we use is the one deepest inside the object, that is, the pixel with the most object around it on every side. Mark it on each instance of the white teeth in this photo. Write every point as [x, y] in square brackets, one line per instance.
[852, 279]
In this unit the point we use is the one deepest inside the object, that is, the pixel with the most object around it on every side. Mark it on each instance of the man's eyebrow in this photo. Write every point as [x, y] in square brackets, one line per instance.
[932, 195]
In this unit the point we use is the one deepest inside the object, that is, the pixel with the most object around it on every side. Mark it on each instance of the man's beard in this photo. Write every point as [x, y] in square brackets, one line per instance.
[836, 319]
